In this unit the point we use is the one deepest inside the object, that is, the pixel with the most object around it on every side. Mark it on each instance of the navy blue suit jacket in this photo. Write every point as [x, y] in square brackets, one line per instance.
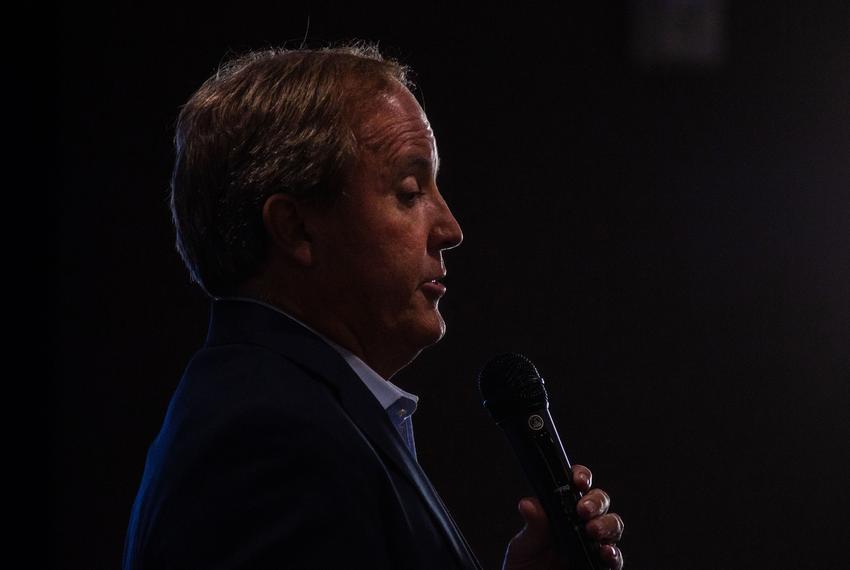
[274, 454]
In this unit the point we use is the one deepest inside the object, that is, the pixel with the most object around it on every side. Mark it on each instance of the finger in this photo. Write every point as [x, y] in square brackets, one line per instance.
[533, 514]
[593, 504]
[532, 546]
[606, 529]
[582, 478]
[611, 556]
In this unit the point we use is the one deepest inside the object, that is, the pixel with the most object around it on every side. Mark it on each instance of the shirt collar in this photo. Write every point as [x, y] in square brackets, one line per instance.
[388, 394]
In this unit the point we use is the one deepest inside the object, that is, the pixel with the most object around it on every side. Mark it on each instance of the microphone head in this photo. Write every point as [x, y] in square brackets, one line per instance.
[511, 386]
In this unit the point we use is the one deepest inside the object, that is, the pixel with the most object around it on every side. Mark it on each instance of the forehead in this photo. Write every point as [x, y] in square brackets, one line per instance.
[397, 126]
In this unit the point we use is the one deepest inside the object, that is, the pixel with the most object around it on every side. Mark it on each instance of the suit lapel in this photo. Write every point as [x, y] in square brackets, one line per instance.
[242, 321]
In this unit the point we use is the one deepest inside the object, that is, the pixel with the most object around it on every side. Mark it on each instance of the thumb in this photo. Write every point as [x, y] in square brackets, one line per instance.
[532, 546]
[536, 532]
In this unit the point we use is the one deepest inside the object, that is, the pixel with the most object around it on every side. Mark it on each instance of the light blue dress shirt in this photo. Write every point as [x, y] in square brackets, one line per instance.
[398, 404]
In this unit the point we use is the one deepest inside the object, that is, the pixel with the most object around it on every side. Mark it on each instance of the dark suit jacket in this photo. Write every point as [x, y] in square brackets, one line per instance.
[274, 454]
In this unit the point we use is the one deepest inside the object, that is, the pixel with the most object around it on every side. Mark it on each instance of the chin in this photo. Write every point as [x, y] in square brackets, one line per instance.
[436, 330]
[428, 331]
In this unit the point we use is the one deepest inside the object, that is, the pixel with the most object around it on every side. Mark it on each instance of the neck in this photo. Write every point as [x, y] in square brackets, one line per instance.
[379, 356]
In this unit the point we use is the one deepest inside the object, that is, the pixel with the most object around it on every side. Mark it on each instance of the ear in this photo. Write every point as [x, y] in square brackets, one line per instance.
[284, 221]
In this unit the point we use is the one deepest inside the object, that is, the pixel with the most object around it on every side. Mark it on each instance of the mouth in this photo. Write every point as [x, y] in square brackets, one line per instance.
[435, 287]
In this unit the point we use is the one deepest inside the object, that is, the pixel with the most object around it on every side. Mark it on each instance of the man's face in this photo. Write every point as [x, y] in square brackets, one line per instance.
[379, 249]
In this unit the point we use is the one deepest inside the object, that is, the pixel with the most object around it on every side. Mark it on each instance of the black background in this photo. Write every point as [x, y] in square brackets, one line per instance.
[671, 246]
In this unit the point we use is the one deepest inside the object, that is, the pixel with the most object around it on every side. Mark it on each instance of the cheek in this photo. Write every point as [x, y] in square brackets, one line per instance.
[394, 268]
[389, 253]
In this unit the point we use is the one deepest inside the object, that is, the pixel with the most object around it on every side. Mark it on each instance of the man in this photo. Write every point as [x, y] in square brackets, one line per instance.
[305, 202]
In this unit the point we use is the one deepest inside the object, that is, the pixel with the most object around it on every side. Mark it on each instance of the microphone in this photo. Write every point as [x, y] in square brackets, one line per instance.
[513, 392]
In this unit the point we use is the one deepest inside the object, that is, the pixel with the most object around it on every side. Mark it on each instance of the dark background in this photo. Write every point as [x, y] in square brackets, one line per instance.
[667, 237]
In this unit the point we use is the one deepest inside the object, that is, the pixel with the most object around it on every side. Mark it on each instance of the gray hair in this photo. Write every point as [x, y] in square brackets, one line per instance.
[268, 121]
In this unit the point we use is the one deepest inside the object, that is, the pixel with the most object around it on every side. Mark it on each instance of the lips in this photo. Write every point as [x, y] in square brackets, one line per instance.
[434, 287]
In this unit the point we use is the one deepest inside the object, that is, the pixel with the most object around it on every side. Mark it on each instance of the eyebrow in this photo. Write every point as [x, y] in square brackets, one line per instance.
[424, 163]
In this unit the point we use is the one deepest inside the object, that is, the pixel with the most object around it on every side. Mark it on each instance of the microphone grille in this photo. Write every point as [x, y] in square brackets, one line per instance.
[510, 385]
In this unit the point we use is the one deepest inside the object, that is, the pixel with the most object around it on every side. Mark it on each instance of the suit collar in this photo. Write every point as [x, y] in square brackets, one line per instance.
[387, 393]
[236, 321]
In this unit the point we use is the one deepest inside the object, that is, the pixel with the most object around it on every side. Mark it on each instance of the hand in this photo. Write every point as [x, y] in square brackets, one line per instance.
[532, 547]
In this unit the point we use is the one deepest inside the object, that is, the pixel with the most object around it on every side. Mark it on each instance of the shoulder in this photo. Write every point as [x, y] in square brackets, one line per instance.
[257, 449]
[244, 391]
[240, 368]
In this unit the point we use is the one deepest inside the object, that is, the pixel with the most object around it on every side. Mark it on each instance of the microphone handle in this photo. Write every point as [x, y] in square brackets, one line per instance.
[538, 447]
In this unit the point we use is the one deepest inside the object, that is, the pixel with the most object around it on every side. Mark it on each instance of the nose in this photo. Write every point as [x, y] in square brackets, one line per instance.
[446, 232]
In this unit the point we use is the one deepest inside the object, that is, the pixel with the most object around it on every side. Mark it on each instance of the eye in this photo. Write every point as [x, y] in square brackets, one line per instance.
[409, 198]
[409, 193]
